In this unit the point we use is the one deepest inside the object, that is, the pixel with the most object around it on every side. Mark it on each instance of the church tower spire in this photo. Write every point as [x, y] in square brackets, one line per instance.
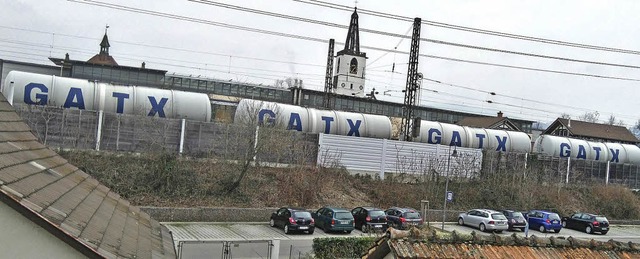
[104, 45]
[350, 63]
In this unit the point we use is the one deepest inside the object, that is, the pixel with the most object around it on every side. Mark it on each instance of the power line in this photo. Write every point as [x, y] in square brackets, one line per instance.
[296, 36]
[406, 36]
[470, 29]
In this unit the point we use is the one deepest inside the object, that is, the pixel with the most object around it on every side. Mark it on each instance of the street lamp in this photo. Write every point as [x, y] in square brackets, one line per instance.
[446, 185]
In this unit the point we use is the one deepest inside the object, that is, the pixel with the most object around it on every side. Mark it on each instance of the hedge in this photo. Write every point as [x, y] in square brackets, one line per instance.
[341, 247]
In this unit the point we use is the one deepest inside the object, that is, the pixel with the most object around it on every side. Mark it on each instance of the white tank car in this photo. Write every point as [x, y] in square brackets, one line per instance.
[313, 120]
[38, 89]
[586, 150]
[488, 139]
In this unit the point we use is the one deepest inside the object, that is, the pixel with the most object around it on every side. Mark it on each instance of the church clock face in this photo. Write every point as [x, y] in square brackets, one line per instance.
[343, 85]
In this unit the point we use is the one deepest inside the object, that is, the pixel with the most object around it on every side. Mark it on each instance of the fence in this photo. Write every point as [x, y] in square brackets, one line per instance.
[229, 249]
[80, 129]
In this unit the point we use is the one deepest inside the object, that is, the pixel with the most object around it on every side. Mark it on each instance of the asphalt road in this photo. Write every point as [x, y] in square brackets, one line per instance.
[251, 240]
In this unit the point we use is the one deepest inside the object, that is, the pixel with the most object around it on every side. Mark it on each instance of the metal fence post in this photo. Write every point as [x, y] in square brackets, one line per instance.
[99, 131]
[275, 248]
[182, 129]
[606, 178]
[383, 164]
[568, 169]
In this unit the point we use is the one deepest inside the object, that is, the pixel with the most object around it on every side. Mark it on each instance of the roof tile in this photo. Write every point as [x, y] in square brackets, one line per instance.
[70, 201]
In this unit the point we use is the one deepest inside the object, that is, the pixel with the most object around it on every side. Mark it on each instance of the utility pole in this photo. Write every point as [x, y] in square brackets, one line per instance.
[328, 79]
[410, 127]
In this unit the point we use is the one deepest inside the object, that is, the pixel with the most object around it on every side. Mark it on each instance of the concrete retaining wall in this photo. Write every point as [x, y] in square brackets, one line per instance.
[214, 214]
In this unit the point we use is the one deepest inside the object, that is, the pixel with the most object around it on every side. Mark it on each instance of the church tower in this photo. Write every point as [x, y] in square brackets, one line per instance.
[350, 63]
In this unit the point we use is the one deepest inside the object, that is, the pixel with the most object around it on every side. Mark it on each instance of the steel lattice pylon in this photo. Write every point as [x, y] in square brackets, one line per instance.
[328, 80]
[411, 89]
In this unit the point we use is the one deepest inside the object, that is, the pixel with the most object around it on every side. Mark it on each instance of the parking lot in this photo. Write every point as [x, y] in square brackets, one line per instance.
[202, 240]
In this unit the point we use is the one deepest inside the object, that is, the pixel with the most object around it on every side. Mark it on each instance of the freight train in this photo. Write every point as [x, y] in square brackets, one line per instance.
[37, 89]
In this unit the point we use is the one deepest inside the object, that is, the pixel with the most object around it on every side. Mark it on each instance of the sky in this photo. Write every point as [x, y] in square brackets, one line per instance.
[32, 31]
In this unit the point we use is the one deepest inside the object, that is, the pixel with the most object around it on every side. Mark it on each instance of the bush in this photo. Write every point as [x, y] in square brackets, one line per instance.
[341, 247]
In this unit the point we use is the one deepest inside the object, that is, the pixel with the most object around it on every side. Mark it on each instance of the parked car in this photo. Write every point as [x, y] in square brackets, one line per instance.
[515, 219]
[586, 222]
[332, 219]
[369, 218]
[403, 218]
[544, 221]
[485, 220]
[292, 220]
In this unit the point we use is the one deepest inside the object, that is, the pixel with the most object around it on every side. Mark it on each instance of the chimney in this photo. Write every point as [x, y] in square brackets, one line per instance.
[143, 64]
[569, 123]
[500, 114]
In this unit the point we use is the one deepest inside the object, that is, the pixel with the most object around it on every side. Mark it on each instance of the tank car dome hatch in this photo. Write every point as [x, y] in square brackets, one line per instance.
[71, 93]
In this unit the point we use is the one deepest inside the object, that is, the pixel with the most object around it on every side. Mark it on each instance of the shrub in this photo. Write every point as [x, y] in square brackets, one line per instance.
[341, 247]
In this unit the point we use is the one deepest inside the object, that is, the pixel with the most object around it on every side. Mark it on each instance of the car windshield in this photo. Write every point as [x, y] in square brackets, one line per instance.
[517, 215]
[343, 215]
[600, 219]
[412, 215]
[302, 214]
[554, 216]
[498, 216]
[376, 213]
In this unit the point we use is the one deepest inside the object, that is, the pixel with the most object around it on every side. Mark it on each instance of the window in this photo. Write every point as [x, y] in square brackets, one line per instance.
[353, 67]
[338, 67]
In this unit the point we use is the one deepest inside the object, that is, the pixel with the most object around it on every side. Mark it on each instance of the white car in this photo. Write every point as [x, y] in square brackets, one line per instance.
[485, 220]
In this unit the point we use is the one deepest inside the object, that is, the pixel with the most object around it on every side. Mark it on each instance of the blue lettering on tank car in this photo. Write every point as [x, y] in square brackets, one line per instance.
[75, 93]
[120, 101]
[480, 139]
[41, 98]
[582, 152]
[262, 113]
[157, 107]
[295, 122]
[434, 136]
[615, 155]
[456, 140]
[354, 128]
[597, 149]
[327, 124]
[502, 144]
[565, 150]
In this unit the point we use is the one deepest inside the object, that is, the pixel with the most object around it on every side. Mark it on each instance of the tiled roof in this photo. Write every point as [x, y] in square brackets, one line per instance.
[594, 130]
[70, 204]
[486, 122]
[431, 244]
[103, 59]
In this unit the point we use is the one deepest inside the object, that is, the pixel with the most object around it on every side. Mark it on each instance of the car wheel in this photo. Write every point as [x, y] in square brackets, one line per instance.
[588, 230]
[349, 232]
[324, 229]
[272, 223]
[286, 229]
[310, 232]
[460, 221]
[564, 224]
[522, 229]
[542, 229]
[604, 232]
[364, 228]
[557, 230]
[498, 231]
[482, 227]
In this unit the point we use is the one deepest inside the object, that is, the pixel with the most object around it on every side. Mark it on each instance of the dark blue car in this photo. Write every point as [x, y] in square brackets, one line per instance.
[544, 221]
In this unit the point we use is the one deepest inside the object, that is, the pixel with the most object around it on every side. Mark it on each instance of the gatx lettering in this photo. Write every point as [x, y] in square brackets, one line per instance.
[75, 98]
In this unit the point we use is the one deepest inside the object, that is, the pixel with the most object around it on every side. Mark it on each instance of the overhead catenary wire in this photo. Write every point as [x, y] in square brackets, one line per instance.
[405, 36]
[470, 29]
[296, 36]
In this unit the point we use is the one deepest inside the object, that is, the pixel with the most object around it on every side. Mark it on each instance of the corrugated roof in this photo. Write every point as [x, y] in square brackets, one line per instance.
[594, 130]
[70, 204]
[431, 244]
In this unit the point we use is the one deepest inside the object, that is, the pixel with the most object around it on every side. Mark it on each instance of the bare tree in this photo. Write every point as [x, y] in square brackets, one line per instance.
[614, 121]
[565, 116]
[635, 129]
[590, 117]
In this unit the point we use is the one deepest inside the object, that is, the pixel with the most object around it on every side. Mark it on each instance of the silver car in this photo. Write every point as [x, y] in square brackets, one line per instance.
[485, 220]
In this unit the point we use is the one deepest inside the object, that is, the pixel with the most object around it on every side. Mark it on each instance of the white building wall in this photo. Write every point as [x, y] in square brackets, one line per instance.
[21, 238]
[349, 83]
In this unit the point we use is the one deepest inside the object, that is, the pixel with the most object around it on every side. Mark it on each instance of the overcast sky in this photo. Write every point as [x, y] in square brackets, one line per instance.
[33, 30]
